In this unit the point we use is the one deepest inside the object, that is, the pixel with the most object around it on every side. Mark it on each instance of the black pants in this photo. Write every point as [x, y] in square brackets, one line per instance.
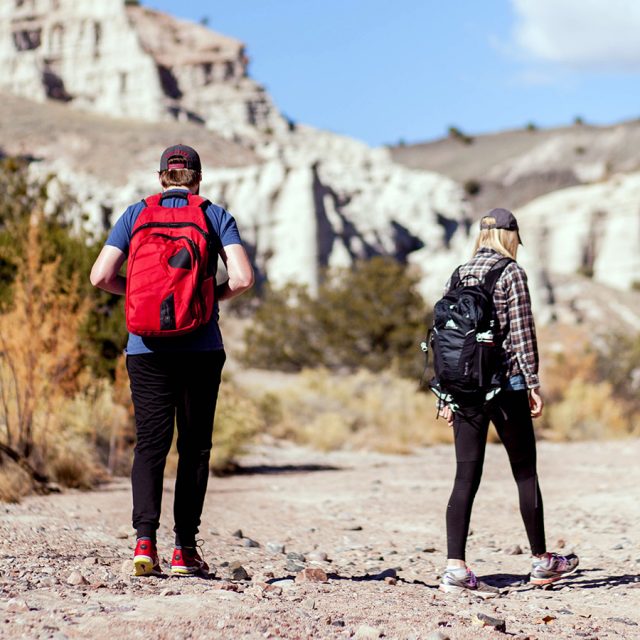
[510, 413]
[170, 388]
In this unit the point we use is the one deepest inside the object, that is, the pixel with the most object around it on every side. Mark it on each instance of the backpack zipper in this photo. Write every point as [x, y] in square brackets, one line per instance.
[192, 244]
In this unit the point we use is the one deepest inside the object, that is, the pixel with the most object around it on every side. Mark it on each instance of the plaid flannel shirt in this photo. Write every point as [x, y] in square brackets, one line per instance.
[515, 318]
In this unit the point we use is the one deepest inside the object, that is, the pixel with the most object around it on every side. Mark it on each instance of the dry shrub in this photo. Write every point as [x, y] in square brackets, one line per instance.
[15, 483]
[238, 421]
[365, 410]
[581, 405]
[587, 411]
[42, 417]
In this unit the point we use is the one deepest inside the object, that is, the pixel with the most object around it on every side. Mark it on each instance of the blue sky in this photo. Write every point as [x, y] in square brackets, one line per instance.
[386, 71]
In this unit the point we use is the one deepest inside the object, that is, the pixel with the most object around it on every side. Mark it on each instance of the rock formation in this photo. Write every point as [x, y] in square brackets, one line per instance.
[130, 61]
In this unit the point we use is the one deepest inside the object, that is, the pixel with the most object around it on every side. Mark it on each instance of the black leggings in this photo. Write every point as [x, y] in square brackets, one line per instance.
[510, 414]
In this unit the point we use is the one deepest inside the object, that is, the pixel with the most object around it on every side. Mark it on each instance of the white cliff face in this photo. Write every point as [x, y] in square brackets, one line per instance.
[327, 201]
[592, 230]
[130, 62]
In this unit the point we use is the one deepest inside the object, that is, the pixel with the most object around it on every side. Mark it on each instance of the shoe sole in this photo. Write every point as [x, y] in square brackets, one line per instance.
[143, 566]
[451, 588]
[186, 572]
[541, 582]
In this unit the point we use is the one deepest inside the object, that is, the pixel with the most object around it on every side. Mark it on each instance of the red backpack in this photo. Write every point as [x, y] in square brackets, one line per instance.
[169, 287]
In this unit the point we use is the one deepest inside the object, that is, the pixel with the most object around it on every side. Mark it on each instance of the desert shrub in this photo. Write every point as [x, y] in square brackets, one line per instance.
[456, 134]
[370, 316]
[587, 411]
[103, 331]
[41, 357]
[363, 410]
[15, 483]
[531, 126]
[238, 421]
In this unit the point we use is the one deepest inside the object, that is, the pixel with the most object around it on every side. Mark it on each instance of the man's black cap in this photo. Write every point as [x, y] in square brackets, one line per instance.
[180, 156]
[504, 219]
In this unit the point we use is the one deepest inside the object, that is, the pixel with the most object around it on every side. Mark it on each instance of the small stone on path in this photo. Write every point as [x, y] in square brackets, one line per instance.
[515, 550]
[237, 571]
[483, 620]
[312, 575]
[365, 632]
[248, 542]
[316, 556]
[237, 533]
[76, 578]
[275, 547]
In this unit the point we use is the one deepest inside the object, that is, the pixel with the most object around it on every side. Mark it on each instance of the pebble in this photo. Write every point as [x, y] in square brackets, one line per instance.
[296, 557]
[312, 575]
[248, 542]
[293, 567]
[287, 583]
[123, 533]
[483, 620]
[309, 603]
[365, 632]
[275, 547]
[515, 550]
[237, 533]
[76, 578]
[237, 571]
[316, 556]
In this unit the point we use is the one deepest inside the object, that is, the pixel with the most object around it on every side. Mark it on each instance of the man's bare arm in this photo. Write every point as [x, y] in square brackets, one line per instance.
[105, 271]
[239, 270]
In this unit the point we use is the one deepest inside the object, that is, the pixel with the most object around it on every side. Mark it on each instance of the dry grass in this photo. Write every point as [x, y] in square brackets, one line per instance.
[373, 411]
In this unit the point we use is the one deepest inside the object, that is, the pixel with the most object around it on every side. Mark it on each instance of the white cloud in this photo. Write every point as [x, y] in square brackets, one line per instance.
[589, 34]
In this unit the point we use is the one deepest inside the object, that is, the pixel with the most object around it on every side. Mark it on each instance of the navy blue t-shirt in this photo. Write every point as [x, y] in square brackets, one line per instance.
[207, 337]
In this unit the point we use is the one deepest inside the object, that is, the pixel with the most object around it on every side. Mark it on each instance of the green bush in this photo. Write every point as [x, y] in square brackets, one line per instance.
[370, 316]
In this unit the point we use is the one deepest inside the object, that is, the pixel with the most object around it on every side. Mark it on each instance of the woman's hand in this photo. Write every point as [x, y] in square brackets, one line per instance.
[446, 413]
[536, 403]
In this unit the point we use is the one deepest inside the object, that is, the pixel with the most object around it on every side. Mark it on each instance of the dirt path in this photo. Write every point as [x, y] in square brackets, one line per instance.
[371, 514]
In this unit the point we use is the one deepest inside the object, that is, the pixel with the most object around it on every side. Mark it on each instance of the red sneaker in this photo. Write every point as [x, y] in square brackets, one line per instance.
[145, 559]
[187, 562]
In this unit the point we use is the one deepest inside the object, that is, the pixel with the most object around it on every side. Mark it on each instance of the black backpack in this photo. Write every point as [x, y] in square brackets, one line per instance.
[467, 361]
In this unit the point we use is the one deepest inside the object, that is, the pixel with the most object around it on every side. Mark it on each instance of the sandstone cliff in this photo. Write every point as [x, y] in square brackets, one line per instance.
[130, 61]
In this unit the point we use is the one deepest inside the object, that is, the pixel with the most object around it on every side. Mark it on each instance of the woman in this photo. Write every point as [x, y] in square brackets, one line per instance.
[511, 411]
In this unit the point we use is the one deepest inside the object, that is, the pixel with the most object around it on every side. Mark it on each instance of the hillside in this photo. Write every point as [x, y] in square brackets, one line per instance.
[514, 167]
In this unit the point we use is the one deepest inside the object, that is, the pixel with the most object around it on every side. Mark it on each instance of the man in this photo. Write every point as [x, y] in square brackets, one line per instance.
[174, 376]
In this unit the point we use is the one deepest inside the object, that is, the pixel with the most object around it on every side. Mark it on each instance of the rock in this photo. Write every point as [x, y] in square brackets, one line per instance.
[169, 592]
[560, 543]
[391, 581]
[425, 549]
[316, 556]
[353, 527]
[237, 572]
[76, 578]
[515, 550]
[483, 620]
[293, 567]
[296, 557]
[248, 542]
[275, 548]
[312, 575]
[17, 604]
[365, 632]
[337, 623]
[309, 603]
[237, 533]
[123, 533]
[618, 547]
[284, 584]
[387, 573]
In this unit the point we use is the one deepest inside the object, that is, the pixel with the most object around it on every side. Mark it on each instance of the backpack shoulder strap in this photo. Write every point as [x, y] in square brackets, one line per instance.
[455, 279]
[493, 275]
[152, 200]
